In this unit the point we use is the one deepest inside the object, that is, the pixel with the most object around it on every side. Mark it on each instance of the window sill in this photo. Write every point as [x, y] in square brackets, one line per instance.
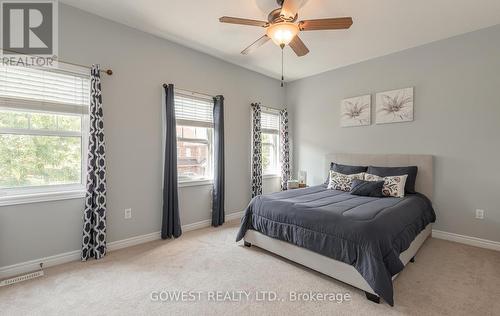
[270, 176]
[28, 198]
[182, 184]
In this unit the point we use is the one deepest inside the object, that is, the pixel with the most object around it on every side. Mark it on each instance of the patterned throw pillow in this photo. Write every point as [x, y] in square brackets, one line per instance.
[393, 185]
[343, 182]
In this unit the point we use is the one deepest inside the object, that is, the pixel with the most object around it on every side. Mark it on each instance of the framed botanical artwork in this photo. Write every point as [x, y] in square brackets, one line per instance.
[394, 106]
[356, 111]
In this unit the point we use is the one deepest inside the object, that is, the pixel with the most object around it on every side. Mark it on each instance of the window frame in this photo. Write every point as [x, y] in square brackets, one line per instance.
[276, 172]
[210, 141]
[56, 192]
[210, 163]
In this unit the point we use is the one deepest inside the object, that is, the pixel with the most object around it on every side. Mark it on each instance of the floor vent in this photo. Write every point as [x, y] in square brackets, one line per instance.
[21, 278]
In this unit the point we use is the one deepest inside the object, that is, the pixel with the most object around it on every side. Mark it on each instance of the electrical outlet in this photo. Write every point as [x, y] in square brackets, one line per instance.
[479, 214]
[128, 213]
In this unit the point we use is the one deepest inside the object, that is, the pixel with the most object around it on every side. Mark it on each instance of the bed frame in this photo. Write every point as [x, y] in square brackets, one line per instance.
[337, 269]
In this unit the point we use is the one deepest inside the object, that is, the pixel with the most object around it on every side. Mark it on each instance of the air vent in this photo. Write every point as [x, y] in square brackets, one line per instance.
[21, 278]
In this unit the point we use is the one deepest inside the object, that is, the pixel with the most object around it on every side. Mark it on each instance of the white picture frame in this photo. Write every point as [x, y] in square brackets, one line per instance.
[356, 111]
[394, 106]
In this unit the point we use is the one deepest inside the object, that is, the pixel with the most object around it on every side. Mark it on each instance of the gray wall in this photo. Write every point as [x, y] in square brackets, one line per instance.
[457, 115]
[457, 119]
[132, 113]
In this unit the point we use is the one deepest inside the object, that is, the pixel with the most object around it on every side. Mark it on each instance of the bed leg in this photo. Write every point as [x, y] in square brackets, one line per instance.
[372, 297]
[247, 244]
[412, 260]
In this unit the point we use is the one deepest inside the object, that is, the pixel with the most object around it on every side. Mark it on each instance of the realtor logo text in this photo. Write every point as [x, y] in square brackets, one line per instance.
[29, 32]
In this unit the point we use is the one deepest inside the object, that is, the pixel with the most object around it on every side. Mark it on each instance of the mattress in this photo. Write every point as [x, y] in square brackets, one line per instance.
[365, 232]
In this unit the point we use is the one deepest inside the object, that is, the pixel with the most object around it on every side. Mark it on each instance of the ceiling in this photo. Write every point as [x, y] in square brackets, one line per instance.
[380, 27]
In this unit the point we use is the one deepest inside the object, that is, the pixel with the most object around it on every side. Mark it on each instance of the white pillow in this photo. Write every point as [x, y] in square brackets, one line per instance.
[393, 185]
[342, 182]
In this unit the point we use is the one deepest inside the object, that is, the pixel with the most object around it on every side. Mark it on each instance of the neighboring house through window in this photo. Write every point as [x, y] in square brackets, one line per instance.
[194, 116]
[43, 131]
[270, 143]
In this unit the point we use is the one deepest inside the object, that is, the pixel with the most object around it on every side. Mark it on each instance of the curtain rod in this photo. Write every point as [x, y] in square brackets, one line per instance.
[109, 72]
[196, 92]
[270, 108]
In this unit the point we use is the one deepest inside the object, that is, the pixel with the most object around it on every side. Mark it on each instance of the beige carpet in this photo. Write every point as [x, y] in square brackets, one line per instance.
[447, 279]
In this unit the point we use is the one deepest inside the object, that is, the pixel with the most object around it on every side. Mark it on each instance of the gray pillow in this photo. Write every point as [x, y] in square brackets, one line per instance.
[345, 169]
[411, 171]
[367, 188]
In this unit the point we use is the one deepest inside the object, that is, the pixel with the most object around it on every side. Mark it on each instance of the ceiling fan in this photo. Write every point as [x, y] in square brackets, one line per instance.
[282, 28]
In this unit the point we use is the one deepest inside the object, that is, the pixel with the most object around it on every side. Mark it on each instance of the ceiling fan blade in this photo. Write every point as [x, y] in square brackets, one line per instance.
[258, 43]
[290, 8]
[325, 24]
[228, 19]
[298, 46]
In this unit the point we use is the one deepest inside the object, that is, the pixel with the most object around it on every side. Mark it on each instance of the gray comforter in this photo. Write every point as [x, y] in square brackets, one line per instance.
[367, 233]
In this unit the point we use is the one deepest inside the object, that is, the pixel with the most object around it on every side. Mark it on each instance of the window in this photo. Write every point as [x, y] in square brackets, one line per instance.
[194, 117]
[43, 129]
[270, 143]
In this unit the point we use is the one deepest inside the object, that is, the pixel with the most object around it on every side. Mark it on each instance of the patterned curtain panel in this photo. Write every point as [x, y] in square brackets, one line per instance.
[94, 216]
[284, 149]
[256, 150]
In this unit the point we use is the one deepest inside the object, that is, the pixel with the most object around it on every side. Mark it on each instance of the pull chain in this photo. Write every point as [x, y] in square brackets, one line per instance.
[282, 77]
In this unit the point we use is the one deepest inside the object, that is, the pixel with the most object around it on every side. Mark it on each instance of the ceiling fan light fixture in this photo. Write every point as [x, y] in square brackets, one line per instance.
[282, 29]
[282, 33]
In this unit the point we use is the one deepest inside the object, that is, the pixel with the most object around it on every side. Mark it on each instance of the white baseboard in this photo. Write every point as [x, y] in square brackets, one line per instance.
[132, 241]
[198, 225]
[32, 265]
[234, 216]
[208, 222]
[472, 241]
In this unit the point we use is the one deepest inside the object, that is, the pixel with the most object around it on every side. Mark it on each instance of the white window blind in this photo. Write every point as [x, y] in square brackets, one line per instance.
[43, 90]
[270, 123]
[192, 110]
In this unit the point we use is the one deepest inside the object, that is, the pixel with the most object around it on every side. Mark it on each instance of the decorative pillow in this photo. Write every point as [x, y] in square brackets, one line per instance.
[411, 171]
[346, 169]
[367, 188]
[393, 185]
[342, 182]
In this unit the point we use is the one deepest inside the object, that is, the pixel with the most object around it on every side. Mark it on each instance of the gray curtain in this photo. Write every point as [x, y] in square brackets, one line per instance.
[218, 188]
[94, 215]
[171, 224]
[256, 150]
[284, 149]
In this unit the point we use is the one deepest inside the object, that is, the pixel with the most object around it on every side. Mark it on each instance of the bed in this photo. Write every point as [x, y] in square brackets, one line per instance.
[362, 241]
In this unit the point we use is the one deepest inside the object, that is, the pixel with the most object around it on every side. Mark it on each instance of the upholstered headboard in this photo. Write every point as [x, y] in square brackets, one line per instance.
[425, 164]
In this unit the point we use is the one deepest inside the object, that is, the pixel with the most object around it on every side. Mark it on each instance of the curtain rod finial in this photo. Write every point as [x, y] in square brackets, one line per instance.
[165, 85]
[108, 72]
